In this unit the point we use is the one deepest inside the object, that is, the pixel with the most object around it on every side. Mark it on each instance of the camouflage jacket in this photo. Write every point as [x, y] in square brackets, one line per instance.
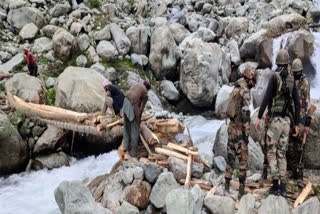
[304, 95]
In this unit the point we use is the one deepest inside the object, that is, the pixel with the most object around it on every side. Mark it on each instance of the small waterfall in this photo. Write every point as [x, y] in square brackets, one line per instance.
[315, 60]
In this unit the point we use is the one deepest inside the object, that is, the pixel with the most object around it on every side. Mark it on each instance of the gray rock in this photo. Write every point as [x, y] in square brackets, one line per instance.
[106, 50]
[29, 31]
[219, 204]
[120, 38]
[127, 208]
[13, 151]
[179, 201]
[247, 203]
[60, 9]
[55, 160]
[73, 197]
[179, 168]
[138, 194]
[205, 34]
[234, 52]
[50, 82]
[127, 176]
[151, 172]
[10, 65]
[258, 91]
[76, 28]
[169, 91]
[206, 8]
[25, 15]
[138, 37]
[4, 56]
[103, 34]
[37, 131]
[312, 205]
[50, 140]
[136, 60]
[200, 71]
[179, 32]
[220, 163]
[274, 204]
[138, 173]
[165, 183]
[256, 157]
[92, 55]
[72, 90]
[27, 87]
[163, 55]
[198, 197]
[222, 100]
[301, 41]
[236, 26]
[62, 43]
[81, 61]
[83, 42]
[49, 30]
[250, 46]
[42, 44]
[284, 23]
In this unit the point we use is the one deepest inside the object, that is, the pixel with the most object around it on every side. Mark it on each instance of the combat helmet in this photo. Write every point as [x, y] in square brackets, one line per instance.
[282, 57]
[297, 65]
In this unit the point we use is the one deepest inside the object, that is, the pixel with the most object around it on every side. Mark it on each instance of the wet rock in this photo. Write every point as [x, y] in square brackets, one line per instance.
[106, 50]
[165, 183]
[219, 204]
[127, 208]
[138, 37]
[29, 31]
[73, 197]
[151, 172]
[27, 87]
[13, 153]
[179, 168]
[247, 203]
[51, 161]
[301, 46]
[62, 44]
[72, 90]
[42, 44]
[24, 15]
[180, 201]
[120, 38]
[169, 91]
[312, 205]
[274, 204]
[138, 194]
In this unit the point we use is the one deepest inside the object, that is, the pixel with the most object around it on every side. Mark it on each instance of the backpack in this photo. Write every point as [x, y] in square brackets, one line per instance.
[235, 100]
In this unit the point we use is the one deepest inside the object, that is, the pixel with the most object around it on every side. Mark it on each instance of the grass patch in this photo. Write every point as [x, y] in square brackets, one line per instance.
[100, 21]
[17, 117]
[2, 88]
[133, 9]
[50, 96]
[8, 129]
[94, 3]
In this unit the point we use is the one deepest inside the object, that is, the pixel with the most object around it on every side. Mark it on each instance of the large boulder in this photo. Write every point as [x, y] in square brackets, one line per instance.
[222, 100]
[301, 46]
[236, 26]
[151, 172]
[163, 53]
[80, 89]
[221, 141]
[219, 204]
[169, 91]
[179, 168]
[49, 30]
[198, 197]
[13, 152]
[120, 38]
[264, 52]
[103, 34]
[25, 15]
[285, 23]
[179, 201]
[27, 87]
[12, 64]
[63, 43]
[165, 183]
[60, 9]
[249, 47]
[50, 140]
[29, 31]
[199, 73]
[138, 194]
[179, 32]
[247, 203]
[107, 51]
[310, 206]
[274, 204]
[234, 52]
[127, 208]
[139, 39]
[73, 197]
[263, 77]
[51, 161]
[42, 44]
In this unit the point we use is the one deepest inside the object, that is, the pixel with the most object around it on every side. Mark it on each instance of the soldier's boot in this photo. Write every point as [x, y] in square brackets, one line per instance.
[227, 185]
[294, 175]
[264, 173]
[241, 187]
[283, 189]
[274, 190]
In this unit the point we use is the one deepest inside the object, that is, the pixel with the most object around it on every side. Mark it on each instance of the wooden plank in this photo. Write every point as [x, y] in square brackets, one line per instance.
[146, 145]
[182, 149]
[201, 185]
[304, 194]
[171, 153]
[189, 167]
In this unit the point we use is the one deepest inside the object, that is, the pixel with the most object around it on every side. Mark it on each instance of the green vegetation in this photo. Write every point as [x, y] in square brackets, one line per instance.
[17, 117]
[133, 9]
[19, 68]
[99, 21]
[7, 129]
[236, 173]
[94, 3]
[42, 60]
[50, 96]
[2, 88]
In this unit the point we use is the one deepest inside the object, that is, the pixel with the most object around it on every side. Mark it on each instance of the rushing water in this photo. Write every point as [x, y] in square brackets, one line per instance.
[315, 60]
[33, 193]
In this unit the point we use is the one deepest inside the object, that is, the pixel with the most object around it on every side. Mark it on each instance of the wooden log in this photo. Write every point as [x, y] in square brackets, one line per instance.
[189, 135]
[73, 135]
[201, 185]
[148, 135]
[163, 163]
[198, 159]
[182, 149]
[304, 194]
[5, 75]
[171, 153]
[146, 145]
[189, 166]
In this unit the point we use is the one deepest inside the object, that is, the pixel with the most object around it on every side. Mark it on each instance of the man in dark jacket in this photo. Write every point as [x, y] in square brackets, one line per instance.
[114, 99]
[133, 107]
[31, 62]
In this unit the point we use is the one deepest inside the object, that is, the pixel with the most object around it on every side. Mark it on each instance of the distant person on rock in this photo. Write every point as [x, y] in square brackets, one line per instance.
[31, 62]
[283, 103]
[295, 143]
[113, 100]
[238, 129]
[133, 107]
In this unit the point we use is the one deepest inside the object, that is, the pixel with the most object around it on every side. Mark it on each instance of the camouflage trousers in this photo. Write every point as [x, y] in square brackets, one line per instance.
[237, 148]
[294, 152]
[277, 145]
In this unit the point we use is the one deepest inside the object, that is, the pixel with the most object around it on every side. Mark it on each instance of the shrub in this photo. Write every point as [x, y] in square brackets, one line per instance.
[51, 96]
[94, 3]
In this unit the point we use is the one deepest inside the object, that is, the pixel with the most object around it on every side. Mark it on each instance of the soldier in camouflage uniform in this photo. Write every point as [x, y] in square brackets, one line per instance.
[238, 130]
[295, 143]
[280, 97]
